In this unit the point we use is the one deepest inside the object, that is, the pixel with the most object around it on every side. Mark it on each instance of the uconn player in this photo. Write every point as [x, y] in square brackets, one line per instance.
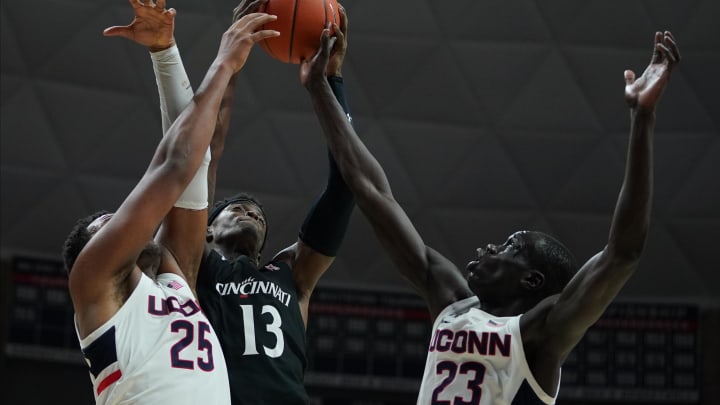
[503, 327]
[142, 332]
[258, 309]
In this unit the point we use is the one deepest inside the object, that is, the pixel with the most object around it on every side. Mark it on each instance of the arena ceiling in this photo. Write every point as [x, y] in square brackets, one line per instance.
[488, 117]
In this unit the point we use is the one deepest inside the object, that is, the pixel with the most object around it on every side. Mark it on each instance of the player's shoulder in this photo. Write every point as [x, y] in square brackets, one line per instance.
[287, 255]
[533, 322]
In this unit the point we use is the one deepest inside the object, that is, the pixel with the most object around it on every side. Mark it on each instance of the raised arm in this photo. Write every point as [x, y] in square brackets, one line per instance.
[435, 277]
[182, 233]
[110, 255]
[599, 280]
[326, 222]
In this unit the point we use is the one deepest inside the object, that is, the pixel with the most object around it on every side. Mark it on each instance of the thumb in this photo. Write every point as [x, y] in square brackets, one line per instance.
[629, 77]
[117, 31]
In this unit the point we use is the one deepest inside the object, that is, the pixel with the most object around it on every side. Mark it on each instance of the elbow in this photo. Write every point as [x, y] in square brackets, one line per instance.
[626, 256]
[628, 243]
[369, 196]
[178, 160]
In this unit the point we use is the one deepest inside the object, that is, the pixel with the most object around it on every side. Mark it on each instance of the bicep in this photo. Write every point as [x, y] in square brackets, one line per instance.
[183, 234]
[444, 283]
[585, 298]
[308, 265]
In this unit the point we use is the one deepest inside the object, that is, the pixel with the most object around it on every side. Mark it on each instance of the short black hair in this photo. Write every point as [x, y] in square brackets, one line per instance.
[554, 260]
[78, 237]
[239, 197]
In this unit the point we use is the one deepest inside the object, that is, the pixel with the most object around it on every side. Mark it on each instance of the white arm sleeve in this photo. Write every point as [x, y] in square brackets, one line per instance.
[176, 93]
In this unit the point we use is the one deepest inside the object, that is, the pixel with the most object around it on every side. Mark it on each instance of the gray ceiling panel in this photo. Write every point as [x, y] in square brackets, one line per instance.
[517, 21]
[25, 118]
[699, 195]
[22, 189]
[480, 64]
[681, 152]
[702, 29]
[549, 172]
[9, 48]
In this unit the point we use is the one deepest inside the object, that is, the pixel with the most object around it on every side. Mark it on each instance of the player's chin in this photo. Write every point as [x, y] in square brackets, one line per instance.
[472, 277]
[473, 268]
[476, 275]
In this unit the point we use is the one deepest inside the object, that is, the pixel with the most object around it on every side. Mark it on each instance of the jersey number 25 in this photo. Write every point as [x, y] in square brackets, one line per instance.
[186, 329]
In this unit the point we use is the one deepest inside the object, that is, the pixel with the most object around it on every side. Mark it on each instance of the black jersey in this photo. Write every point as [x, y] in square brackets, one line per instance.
[256, 315]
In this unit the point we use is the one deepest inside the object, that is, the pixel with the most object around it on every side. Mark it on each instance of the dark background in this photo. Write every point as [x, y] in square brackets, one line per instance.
[488, 117]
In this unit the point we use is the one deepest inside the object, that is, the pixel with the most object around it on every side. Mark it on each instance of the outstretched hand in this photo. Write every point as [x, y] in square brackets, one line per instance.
[334, 67]
[312, 71]
[239, 39]
[643, 93]
[153, 25]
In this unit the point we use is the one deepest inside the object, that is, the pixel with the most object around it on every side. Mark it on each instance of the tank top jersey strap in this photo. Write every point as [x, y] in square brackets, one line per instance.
[141, 355]
[257, 316]
[478, 358]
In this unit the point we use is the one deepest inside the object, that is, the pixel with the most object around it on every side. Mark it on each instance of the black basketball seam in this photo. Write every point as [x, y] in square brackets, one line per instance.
[292, 30]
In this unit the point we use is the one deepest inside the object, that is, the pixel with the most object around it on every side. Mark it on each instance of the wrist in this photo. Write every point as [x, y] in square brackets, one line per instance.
[642, 113]
[170, 54]
[317, 86]
[225, 66]
[160, 48]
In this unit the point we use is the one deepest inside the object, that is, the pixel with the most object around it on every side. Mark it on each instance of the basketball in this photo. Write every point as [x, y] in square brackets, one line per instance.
[300, 23]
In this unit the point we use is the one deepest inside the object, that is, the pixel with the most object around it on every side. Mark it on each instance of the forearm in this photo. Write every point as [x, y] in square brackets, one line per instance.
[631, 219]
[326, 223]
[337, 84]
[175, 93]
[358, 167]
[174, 88]
[179, 164]
[217, 145]
[191, 133]
[369, 184]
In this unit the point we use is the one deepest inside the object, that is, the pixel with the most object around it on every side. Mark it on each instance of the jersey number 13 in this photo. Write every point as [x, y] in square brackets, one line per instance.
[273, 327]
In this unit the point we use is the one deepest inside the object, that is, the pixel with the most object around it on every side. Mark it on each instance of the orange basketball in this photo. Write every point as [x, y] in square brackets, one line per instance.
[300, 23]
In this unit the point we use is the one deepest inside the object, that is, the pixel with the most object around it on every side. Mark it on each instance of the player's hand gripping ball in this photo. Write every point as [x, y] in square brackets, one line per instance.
[300, 23]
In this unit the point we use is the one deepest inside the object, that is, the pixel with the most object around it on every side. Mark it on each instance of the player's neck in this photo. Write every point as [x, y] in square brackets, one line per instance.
[512, 308]
[232, 255]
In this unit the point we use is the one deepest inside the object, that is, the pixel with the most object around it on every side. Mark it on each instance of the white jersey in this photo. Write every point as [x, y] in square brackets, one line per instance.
[159, 348]
[477, 358]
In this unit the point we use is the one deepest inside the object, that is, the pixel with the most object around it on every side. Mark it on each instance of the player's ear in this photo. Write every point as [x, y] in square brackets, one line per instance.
[533, 280]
